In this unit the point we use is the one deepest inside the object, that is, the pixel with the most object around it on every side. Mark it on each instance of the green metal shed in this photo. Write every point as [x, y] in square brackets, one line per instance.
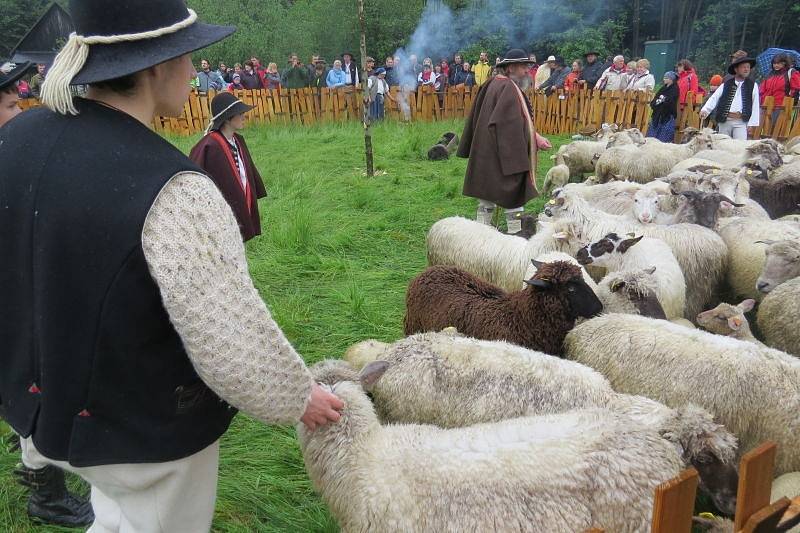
[662, 56]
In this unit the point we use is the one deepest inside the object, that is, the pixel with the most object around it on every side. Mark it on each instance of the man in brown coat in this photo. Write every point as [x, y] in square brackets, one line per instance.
[500, 141]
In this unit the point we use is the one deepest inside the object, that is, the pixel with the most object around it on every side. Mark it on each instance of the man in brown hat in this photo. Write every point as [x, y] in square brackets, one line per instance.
[735, 104]
[130, 327]
[500, 142]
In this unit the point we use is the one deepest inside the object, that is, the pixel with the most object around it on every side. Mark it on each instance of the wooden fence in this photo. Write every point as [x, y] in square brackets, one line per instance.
[557, 114]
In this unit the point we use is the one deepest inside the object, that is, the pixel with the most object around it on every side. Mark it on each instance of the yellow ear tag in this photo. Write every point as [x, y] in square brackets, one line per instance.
[749, 172]
[716, 171]
[708, 516]
[552, 202]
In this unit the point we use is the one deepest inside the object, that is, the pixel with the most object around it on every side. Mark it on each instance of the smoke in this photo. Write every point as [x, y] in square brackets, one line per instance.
[516, 23]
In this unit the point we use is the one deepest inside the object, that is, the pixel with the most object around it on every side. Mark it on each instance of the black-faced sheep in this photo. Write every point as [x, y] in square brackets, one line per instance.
[537, 317]
[779, 196]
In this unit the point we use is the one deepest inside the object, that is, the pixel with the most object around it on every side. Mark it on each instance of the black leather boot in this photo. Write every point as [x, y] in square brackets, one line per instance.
[49, 501]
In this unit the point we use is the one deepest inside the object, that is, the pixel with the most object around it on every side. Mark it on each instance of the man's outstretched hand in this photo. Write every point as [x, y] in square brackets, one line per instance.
[323, 408]
[542, 143]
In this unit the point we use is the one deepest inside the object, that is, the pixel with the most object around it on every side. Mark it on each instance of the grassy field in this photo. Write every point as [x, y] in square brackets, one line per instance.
[333, 264]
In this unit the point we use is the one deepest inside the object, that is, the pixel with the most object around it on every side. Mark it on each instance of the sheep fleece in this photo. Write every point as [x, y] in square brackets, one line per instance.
[779, 317]
[754, 391]
[555, 473]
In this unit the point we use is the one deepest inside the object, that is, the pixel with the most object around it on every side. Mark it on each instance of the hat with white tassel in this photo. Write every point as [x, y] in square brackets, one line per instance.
[116, 38]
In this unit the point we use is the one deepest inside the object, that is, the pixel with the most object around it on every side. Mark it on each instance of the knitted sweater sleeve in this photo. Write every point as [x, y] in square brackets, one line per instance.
[195, 254]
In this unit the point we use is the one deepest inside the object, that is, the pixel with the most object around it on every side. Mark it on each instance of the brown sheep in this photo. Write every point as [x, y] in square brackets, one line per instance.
[537, 317]
[780, 196]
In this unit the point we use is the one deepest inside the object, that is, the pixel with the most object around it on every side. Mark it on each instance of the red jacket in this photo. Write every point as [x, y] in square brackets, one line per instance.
[687, 81]
[776, 86]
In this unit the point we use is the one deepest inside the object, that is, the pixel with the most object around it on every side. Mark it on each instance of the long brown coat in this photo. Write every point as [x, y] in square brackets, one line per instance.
[498, 140]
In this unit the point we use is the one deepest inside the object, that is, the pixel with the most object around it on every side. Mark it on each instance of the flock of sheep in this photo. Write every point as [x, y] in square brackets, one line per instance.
[550, 383]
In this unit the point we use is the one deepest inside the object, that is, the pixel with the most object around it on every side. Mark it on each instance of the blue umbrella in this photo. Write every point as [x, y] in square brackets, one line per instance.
[764, 59]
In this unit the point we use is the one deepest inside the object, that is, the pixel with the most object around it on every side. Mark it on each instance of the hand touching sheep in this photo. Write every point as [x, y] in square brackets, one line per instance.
[323, 408]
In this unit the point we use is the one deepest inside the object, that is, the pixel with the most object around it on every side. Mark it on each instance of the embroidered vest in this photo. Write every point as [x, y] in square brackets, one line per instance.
[726, 100]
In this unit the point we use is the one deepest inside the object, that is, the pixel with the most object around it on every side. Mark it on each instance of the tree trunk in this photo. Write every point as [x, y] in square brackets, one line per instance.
[744, 30]
[664, 28]
[365, 92]
[636, 24]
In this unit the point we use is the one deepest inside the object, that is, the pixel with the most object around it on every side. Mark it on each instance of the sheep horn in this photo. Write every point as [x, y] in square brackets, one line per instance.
[767, 242]
[540, 283]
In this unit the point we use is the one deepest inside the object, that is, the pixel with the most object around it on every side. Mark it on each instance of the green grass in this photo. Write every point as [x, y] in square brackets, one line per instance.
[336, 254]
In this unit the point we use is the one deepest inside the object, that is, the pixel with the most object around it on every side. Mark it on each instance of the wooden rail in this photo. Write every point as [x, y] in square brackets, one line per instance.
[557, 114]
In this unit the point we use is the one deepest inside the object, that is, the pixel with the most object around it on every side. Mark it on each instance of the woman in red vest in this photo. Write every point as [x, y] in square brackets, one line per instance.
[223, 154]
[783, 81]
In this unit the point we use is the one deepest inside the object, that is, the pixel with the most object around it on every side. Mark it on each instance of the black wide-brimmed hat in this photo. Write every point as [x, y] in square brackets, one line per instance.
[513, 56]
[116, 38]
[225, 106]
[591, 53]
[11, 72]
[737, 62]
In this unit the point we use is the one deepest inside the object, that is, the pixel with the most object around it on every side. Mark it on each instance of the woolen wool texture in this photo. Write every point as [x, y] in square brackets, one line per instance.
[534, 318]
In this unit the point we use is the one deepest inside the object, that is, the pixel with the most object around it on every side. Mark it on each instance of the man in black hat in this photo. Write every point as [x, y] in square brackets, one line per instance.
[131, 330]
[350, 70]
[558, 74]
[49, 500]
[223, 154]
[10, 74]
[500, 141]
[735, 104]
[592, 71]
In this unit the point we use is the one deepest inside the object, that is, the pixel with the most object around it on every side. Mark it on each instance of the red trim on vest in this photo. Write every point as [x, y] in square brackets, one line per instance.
[226, 149]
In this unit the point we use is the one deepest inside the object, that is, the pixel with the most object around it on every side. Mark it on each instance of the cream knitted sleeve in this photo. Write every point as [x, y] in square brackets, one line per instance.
[195, 254]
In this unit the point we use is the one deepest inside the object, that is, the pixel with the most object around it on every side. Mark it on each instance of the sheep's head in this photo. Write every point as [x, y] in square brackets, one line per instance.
[638, 287]
[755, 168]
[712, 524]
[600, 251]
[701, 141]
[726, 319]
[782, 264]
[768, 149]
[688, 134]
[646, 205]
[556, 203]
[711, 449]
[566, 279]
[705, 207]
[365, 352]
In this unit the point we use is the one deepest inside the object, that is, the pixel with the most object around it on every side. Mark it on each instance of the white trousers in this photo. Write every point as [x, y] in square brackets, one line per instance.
[734, 127]
[173, 497]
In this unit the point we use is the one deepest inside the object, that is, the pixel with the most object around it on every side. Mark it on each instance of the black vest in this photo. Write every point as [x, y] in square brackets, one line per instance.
[728, 93]
[91, 365]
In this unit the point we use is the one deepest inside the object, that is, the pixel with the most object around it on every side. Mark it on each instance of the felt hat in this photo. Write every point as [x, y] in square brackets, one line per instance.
[513, 56]
[739, 61]
[348, 54]
[11, 72]
[591, 53]
[225, 106]
[113, 39]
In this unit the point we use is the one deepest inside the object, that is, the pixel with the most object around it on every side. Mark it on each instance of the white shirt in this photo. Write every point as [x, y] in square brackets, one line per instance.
[237, 156]
[382, 88]
[736, 106]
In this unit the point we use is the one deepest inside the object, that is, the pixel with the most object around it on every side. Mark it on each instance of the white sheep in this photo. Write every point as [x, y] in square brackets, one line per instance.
[640, 201]
[619, 253]
[729, 320]
[746, 255]
[779, 314]
[752, 390]
[493, 256]
[701, 253]
[579, 156]
[647, 162]
[556, 177]
[556, 473]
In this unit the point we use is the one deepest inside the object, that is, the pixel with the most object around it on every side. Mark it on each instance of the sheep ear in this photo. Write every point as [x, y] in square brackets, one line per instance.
[537, 264]
[747, 305]
[704, 523]
[627, 243]
[617, 285]
[561, 236]
[650, 270]
[766, 241]
[371, 373]
[735, 323]
[539, 283]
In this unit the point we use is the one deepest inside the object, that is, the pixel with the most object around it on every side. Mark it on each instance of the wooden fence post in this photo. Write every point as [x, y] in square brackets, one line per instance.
[674, 503]
[755, 482]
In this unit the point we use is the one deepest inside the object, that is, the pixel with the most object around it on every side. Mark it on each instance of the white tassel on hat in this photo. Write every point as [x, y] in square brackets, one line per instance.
[71, 59]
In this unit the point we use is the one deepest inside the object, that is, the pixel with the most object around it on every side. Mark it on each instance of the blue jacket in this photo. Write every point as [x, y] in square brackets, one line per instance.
[336, 78]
